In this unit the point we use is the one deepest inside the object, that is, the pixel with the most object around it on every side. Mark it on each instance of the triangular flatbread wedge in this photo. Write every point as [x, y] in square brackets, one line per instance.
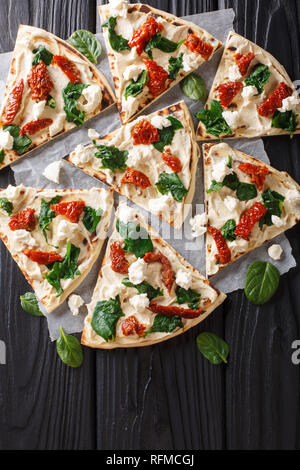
[251, 96]
[247, 202]
[176, 47]
[51, 88]
[146, 292]
[54, 235]
[135, 169]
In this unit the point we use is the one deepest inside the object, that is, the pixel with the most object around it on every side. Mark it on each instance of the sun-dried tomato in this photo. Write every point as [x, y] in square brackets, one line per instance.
[224, 253]
[157, 77]
[144, 133]
[275, 100]
[227, 91]
[171, 310]
[166, 272]
[43, 257]
[249, 219]
[68, 68]
[143, 35]
[33, 127]
[119, 263]
[195, 44]
[173, 162]
[131, 326]
[258, 173]
[13, 102]
[39, 82]
[136, 177]
[71, 210]
[243, 61]
[24, 220]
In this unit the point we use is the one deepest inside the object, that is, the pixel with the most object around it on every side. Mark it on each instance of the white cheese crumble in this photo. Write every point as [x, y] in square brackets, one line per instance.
[13, 192]
[133, 71]
[6, 140]
[139, 302]
[66, 230]
[198, 224]
[160, 204]
[38, 109]
[189, 61]
[234, 73]
[275, 251]
[52, 171]
[277, 221]
[93, 134]
[248, 91]
[126, 214]
[137, 271]
[184, 279]
[292, 196]
[134, 157]
[82, 155]
[232, 118]
[57, 125]
[22, 239]
[92, 95]
[75, 302]
[160, 121]
[231, 203]
[290, 103]
[220, 169]
[118, 8]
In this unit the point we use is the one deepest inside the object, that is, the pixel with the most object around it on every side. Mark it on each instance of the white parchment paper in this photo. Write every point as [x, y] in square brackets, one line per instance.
[28, 171]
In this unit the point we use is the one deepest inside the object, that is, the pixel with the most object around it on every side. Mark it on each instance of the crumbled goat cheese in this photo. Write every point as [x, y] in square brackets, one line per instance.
[75, 302]
[139, 302]
[160, 121]
[232, 118]
[6, 140]
[230, 202]
[22, 239]
[275, 251]
[277, 221]
[52, 171]
[198, 224]
[133, 71]
[137, 271]
[93, 97]
[234, 73]
[184, 279]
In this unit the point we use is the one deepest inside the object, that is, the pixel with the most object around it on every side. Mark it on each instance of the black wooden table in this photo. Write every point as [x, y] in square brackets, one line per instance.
[167, 396]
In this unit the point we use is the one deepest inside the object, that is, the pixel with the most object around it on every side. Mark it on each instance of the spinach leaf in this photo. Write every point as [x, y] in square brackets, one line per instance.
[163, 44]
[246, 191]
[273, 202]
[231, 181]
[193, 87]
[21, 144]
[188, 296]
[215, 186]
[213, 348]
[165, 324]
[105, 318]
[91, 218]
[51, 102]
[6, 205]
[170, 182]
[2, 155]
[144, 288]
[261, 282]
[71, 94]
[136, 238]
[69, 349]
[112, 157]
[213, 120]
[166, 134]
[47, 214]
[175, 64]
[136, 86]
[30, 304]
[259, 77]
[42, 54]
[286, 121]
[86, 43]
[117, 42]
[65, 269]
[228, 230]
[229, 163]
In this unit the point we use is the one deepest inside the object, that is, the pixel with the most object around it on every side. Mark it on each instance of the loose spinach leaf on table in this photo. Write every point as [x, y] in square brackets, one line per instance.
[188, 296]
[86, 43]
[144, 288]
[111, 157]
[286, 121]
[166, 134]
[105, 317]
[213, 120]
[259, 77]
[69, 349]
[71, 94]
[261, 282]
[163, 44]
[2, 155]
[6, 205]
[136, 86]
[91, 218]
[30, 304]
[136, 238]
[165, 324]
[117, 42]
[228, 230]
[170, 182]
[42, 54]
[193, 87]
[175, 64]
[273, 201]
[47, 214]
[213, 348]
[21, 144]
[66, 269]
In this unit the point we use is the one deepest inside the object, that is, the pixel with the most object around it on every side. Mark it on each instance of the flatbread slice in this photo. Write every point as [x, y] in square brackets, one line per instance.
[51, 88]
[173, 164]
[54, 235]
[176, 46]
[146, 294]
[247, 202]
[251, 96]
